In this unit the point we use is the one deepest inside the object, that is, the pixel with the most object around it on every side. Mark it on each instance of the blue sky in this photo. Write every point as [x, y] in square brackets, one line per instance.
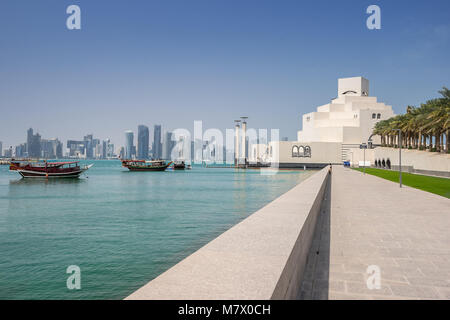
[173, 62]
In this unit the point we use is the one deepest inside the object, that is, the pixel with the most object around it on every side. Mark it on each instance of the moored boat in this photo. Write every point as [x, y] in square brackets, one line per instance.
[179, 165]
[145, 165]
[44, 169]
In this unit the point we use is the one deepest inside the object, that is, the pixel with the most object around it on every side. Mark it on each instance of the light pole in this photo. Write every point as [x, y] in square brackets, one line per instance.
[364, 146]
[399, 155]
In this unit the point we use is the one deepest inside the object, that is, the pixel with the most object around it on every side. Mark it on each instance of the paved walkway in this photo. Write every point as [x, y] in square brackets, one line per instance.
[368, 221]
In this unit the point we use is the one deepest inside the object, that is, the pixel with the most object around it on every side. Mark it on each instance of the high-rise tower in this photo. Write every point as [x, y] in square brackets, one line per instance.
[157, 147]
[143, 142]
[129, 137]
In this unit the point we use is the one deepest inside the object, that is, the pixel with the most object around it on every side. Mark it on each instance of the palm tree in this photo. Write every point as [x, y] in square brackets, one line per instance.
[420, 126]
[445, 92]
[381, 128]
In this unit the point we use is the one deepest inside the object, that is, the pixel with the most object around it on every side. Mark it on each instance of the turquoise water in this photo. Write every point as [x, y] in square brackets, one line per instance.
[121, 228]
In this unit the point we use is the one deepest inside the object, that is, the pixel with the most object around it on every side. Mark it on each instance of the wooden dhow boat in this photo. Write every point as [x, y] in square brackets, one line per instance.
[44, 169]
[146, 165]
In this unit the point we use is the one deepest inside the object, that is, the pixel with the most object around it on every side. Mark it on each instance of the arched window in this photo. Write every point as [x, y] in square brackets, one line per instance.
[379, 116]
[301, 151]
[374, 115]
[307, 152]
[294, 151]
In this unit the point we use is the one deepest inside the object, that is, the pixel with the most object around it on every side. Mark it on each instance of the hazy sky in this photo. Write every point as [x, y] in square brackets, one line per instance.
[173, 62]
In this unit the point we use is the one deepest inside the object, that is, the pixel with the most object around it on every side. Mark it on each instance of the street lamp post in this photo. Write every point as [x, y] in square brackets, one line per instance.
[364, 146]
[399, 155]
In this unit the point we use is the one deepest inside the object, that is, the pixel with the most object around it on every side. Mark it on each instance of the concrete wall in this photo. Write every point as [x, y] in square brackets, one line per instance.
[358, 84]
[358, 155]
[416, 161]
[262, 257]
[321, 153]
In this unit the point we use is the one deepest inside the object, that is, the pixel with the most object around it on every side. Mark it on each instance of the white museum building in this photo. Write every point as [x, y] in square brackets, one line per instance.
[332, 133]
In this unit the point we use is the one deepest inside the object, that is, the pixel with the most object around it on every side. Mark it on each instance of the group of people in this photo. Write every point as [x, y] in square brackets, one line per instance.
[383, 164]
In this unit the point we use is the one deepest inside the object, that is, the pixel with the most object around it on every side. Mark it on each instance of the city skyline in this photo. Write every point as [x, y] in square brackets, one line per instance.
[184, 62]
[89, 147]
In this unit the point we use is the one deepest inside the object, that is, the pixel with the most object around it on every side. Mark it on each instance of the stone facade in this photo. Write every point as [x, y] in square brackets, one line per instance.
[332, 131]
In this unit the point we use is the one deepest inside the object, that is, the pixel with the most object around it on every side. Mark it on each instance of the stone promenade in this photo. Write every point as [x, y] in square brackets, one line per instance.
[368, 221]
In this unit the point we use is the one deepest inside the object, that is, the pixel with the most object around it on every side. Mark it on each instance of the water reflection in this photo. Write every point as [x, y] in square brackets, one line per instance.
[43, 181]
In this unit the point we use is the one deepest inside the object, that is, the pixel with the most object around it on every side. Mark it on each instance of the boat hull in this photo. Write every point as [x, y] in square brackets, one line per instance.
[44, 175]
[141, 168]
[46, 170]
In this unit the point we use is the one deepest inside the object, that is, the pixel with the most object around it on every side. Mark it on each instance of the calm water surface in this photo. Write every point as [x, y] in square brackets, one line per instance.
[121, 228]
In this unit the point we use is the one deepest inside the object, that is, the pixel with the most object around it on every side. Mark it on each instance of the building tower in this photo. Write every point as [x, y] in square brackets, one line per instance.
[244, 139]
[29, 141]
[157, 147]
[129, 137]
[167, 146]
[236, 142]
[143, 142]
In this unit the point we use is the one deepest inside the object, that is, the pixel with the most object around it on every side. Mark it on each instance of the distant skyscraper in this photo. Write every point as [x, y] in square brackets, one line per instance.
[88, 140]
[76, 148]
[143, 142]
[109, 149]
[59, 149]
[104, 148]
[47, 149]
[51, 149]
[157, 147]
[129, 137]
[20, 150]
[8, 153]
[1, 149]
[29, 140]
[33, 144]
[167, 146]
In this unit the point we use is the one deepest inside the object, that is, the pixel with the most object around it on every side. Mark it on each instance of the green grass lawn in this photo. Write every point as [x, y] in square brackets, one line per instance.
[440, 186]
